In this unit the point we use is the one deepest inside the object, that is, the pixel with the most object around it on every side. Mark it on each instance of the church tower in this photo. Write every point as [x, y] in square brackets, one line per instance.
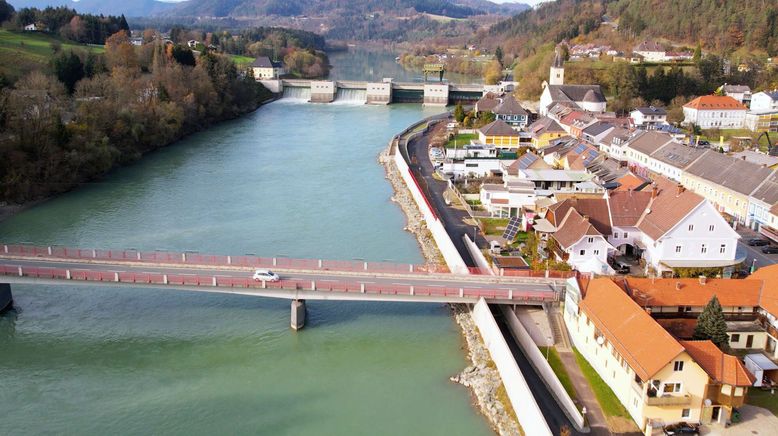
[557, 74]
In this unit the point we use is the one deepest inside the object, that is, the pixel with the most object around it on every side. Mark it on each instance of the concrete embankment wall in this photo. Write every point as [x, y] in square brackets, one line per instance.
[543, 368]
[522, 400]
[478, 256]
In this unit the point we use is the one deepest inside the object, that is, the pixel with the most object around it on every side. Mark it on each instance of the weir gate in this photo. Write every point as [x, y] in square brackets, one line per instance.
[377, 93]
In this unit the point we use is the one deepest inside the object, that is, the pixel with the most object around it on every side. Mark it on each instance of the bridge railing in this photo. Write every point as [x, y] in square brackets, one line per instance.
[194, 258]
[333, 286]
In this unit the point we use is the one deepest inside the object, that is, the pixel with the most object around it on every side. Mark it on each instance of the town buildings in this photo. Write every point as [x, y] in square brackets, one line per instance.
[648, 117]
[713, 111]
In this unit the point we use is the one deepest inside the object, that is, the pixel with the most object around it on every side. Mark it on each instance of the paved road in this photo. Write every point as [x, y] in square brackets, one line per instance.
[453, 219]
[754, 252]
[447, 281]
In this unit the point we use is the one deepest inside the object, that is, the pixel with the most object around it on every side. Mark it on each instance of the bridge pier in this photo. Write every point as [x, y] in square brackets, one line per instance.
[298, 314]
[379, 93]
[323, 91]
[6, 299]
[435, 95]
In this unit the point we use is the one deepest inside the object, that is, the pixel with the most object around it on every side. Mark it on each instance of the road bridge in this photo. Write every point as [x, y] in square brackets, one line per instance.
[301, 279]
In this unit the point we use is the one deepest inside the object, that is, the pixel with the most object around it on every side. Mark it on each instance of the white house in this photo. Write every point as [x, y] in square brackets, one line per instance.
[651, 51]
[264, 68]
[741, 93]
[587, 97]
[509, 198]
[31, 27]
[648, 117]
[713, 111]
[672, 159]
[765, 101]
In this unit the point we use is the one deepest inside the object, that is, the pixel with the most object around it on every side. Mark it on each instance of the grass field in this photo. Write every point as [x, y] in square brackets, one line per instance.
[559, 369]
[241, 61]
[608, 402]
[461, 140]
[22, 52]
[760, 398]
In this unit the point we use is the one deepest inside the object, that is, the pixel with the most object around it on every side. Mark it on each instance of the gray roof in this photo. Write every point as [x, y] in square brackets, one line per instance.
[498, 128]
[756, 157]
[509, 106]
[735, 174]
[677, 155]
[545, 124]
[576, 93]
[649, 46]
[264, 62]
[651, 110]
[597, 129]
[736, 88]
[488, 102]
[650, 141]
[768, 190]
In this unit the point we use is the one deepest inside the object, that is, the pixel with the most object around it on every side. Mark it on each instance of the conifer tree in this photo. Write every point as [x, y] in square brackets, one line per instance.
[712, 325]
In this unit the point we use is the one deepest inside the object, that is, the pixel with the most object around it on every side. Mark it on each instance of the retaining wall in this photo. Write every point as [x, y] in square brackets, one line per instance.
[522, 400]
[478, 256]
[543, 368]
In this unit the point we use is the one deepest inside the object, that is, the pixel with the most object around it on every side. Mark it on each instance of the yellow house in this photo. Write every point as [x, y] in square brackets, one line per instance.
[500, 134]
[543, 131]
[725, 181]
[658, 379]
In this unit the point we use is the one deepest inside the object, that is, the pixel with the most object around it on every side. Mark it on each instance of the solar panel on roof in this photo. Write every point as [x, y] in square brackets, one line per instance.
[512, 229]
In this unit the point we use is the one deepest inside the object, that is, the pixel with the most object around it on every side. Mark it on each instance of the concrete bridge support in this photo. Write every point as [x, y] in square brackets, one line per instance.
[6, 299]
[379, 93]
[298, 314]
[323, 91]
[435, 95]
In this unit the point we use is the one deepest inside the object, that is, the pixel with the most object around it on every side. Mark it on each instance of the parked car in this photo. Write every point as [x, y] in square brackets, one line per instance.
[770, 249]
[757, 242]
[703, 142]
[619, 267]
[681, 428]
[265, 275]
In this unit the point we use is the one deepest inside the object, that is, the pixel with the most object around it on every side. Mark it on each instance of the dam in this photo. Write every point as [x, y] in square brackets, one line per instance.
[381, 93]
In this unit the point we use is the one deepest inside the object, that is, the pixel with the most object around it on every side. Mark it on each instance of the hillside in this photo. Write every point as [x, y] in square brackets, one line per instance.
[723, 26]
[22, 52]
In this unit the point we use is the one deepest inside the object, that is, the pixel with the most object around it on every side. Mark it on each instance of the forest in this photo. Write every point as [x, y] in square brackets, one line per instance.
[87, 113]
[83, 28]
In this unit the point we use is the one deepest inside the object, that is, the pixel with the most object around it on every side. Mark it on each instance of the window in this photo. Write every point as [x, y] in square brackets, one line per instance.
[678, 365]
[711, 228]
[685, 413]
[671, 388]
[590, 240]
[691, 227]
[582, 252]
[677, 248]
[703, 249]
[615, 235]
[723, 248]
[626, 235]
[735, 338]
[596, 252]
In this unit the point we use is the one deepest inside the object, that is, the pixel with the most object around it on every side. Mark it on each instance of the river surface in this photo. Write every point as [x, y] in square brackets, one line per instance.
[291, 179]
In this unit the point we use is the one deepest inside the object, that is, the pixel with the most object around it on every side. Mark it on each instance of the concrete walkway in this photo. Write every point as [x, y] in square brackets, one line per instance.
[585, 394]
[755, 421]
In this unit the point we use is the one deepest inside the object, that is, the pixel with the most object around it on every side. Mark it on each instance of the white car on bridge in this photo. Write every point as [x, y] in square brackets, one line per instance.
[265, 275]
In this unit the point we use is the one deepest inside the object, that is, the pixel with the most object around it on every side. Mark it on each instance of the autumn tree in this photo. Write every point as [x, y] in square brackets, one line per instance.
[119, 52]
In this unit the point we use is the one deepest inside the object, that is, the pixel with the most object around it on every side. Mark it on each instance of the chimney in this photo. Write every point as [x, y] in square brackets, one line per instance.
[586, 217]
[680, 189]
[654, 190]
[703, 280]
[678, 286]
[743, 157]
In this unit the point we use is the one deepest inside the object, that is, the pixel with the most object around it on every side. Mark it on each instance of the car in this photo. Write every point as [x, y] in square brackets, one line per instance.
[681, 428]
[265, 275]
[703, 142]
[757, 242]
[619, 267]
[770, 249]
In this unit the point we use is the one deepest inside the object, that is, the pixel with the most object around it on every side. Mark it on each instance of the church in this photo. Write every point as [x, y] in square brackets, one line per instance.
[587, 97]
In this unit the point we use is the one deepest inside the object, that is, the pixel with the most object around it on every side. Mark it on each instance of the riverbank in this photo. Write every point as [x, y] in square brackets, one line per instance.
[481, 376]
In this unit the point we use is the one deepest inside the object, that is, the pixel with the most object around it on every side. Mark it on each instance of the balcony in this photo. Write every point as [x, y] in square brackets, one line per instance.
[669, 400]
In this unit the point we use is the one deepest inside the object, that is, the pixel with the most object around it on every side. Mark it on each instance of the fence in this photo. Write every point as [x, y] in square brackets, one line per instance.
[470, 293]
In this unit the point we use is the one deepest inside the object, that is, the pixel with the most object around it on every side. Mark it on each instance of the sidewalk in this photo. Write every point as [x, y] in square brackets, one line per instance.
[594, 414]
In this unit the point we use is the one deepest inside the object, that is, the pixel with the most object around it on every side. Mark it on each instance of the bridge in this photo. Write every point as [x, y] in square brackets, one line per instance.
[301, 279]
[378, 93]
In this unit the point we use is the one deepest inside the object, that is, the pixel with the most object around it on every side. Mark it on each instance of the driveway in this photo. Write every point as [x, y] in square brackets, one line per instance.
[755, 421]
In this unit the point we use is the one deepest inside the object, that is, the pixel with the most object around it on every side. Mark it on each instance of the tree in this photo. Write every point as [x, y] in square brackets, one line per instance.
[459, 112]
[6, 11]
[183, 55]
[712, 325]
[697, 53]
[69, 69]
[498, 54]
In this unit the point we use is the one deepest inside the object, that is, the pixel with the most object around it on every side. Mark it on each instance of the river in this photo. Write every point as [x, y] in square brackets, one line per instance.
[291, 179]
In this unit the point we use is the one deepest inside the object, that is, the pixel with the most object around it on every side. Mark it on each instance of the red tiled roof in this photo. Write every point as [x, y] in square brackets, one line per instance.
[768, 275]
[715, 102]
[723, 368]
[689, 292]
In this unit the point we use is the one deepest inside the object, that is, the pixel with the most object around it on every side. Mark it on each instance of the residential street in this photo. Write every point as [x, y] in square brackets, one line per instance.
[753, 252]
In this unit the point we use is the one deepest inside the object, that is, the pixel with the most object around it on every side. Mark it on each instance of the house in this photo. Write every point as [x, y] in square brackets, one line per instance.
[650, 51]
[31, 27]
[550, 181]
[761, 201]
[757, 157]
[487, 102]
[581, 227]
[768, 305]
[672, 159]
[726, 182]
[658, 379]
[765, 101]
[762, 120]
[192, 43]
[648, 117]
[595, 132]
[641, 145]
[543, 131]
[741, 93]
[612, 143]
[509, 198]
[499, 134]
[472, 160]
[265, 69]
[714, 111]
[510, 111]
[587, 97]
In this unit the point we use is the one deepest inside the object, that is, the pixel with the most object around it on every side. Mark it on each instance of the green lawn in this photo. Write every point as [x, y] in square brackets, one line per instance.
[608, 402]
[494, 226]
[241, 61]
[22, 52]
[461, 139]
[559, 369]
[760, 398]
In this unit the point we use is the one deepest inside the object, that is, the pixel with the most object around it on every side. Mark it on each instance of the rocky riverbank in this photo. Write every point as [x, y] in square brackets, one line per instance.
[481, 376]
